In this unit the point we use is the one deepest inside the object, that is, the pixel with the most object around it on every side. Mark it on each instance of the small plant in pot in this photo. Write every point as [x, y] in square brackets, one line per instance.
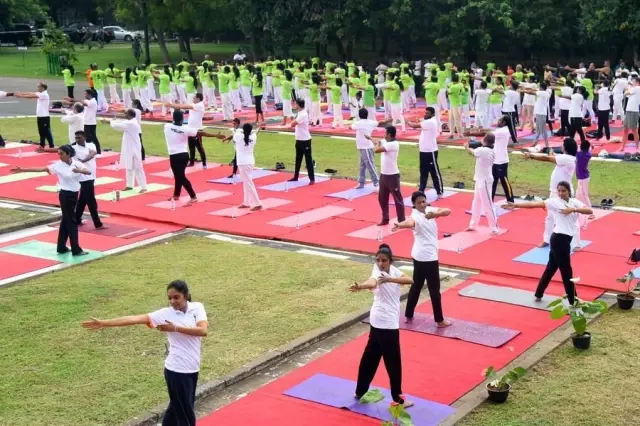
[579, 312]
[499, 387]
[628, 298]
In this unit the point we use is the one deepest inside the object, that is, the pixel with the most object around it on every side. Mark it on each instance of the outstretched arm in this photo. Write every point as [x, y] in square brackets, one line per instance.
[30, 170]
[540, 157]
[369, 284]
[529, 205]
[94, 323]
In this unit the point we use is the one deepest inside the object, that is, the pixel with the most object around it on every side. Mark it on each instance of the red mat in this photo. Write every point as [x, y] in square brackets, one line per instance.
[15, 264]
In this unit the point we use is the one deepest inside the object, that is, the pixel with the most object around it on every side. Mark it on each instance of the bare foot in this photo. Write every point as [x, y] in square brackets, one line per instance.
[408, 319]
[543, 245]
[255, 209]
[243, 206]
[127, 188]
[142, 191]
[470, 229]
[444, 324]
[407, 404]
[495, 232]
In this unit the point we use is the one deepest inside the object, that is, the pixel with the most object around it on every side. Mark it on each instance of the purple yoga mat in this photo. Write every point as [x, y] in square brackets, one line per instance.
[338, 393]
[472, 332]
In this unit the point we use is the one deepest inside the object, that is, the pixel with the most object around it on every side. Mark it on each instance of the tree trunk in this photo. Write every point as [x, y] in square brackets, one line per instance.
[340, 48]
[181, 45]
[162, 43]
[187, 45]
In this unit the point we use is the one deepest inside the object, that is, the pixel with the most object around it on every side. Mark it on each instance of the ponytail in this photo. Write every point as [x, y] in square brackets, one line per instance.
[385, 250]
[247, 129]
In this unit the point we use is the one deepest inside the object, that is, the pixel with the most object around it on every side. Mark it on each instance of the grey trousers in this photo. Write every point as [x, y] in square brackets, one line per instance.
[541, 128]
[367, 162]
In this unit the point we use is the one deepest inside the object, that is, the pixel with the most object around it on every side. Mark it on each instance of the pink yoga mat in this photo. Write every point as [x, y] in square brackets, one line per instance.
[465, 239]
[267, 203]
[311, 216]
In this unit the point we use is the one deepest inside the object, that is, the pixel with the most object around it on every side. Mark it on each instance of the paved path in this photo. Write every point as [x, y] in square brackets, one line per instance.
[11, 106]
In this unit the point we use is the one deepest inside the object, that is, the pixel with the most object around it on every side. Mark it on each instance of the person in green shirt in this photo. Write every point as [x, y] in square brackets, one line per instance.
[431, 89]
[495, 99]
[234, 88]
[276, 81]
[257, 84]
[246, 74]
[336, 103]
[395, 88]
[352, 84]
[112, 73]
[68, 74]
[287, 91]
[178, 75]
[407, 81]
[99, 77]
[587, 103]
[490, 67]
[454, 91]
[442, 93]
[164, 88]
[314, 95]
[466, 121]
[224, 81]
[127, 83]
[518, 75]
[143, 93]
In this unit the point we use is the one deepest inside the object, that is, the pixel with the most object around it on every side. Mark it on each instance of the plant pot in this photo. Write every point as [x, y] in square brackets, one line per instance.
[625, 301]
[498, 396]
[581, 342]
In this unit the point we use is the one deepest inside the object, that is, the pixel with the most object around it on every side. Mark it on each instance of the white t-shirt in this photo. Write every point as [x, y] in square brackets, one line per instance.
[500, 146]
[428, 135]
[564, 171]
[184, 350]
[244, 152]
[510, 100]
[619, 86]
[302, 126]
[90, 110]
[76, 124]
[604, 99]
[565, 103]
[2, 94]
[633, 104]
[385, 311]
[362, 128]
[425, 234]
[564, 224]
[482, 97]
[485, 157]
[389, 158]
[83, 152]
[67, 179]
[528, 98]
[42, 104]
[177, 138]
[575, 107]
[542, 102]
[195, 115]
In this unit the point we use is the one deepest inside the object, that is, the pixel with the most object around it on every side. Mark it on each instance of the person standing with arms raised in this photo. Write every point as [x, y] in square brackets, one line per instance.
[500, 169]
[428, 146]
[131, 150]
[90, 119]
[195, 121]
[483, 182]
[42, 112]
[303, 143]
[185, 323]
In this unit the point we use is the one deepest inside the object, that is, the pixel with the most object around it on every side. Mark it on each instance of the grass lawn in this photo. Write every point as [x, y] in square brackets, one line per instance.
[591, 388]
[608, 180]
[15, 63]
[10, 217]
[58, 373]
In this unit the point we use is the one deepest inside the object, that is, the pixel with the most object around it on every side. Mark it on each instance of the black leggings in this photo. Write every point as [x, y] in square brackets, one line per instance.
[70, 91]
[142, 147]
[182, 396]
[559, 258]
[501, 173]
[511, 124]
[68, 226]
[429, 166]
[430, 272]
[44, 131]
[234, 162]
[576, 126]
[603, 124]
[303, 149]
[565, 126]
[196, 142]
[178, 163]
[385, 344]
[87, 198]
[258, 101]
[91, 136]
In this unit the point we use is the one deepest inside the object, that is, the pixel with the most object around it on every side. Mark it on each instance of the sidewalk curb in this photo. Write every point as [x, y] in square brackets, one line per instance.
[28, 224]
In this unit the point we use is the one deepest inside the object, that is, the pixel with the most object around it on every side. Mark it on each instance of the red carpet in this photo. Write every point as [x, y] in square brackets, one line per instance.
[15, 264]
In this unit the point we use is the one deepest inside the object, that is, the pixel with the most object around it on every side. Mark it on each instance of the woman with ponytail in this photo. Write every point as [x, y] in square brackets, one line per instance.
[244, 142]
[386, 283]
[126, 88]
[258, 90]
[185, 323]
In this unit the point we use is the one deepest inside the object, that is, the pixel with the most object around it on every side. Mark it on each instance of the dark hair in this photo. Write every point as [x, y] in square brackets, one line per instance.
[514, 85]
[44, 86]
[247, 129]
[490, 139]
[455, 78]
[199, 96]
[72, 70]
[415, 196]
[178, 117]
[315, 78]
[543, 85]
[68, 149]
[483, 84]
[431, 110]
[585, 145]
[338, 81]
[80, 133]
[288, 75]
[138, 104]
[89, 92]
[131, 113]
[127, 75]
[226, 69]
[111, 66]
[399, 83]
[363, 114]
[300, 103]
[385, 250]
[167, 72]
[259, 77]
[193, 75]
[565, 185]
[236, 72]
[391, 130]
[180, 286]
[570, 146]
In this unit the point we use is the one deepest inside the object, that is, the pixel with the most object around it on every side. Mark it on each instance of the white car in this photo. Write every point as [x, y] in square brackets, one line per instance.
[121, 34]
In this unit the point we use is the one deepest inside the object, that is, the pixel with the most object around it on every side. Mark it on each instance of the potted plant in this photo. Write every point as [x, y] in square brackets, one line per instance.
[627, 299]
[399, 415]
[499, 387]
[579, 312]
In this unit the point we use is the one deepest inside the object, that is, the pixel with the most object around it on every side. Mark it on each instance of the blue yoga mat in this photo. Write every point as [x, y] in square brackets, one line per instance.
[338, 393]
[353, 193]
[284, 186]
[257, 173]
[540, 255]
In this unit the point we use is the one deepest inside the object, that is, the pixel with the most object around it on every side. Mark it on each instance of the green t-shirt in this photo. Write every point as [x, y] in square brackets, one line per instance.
[588, 84]
[276, 77]
[245, 77]
[351, 67]
[98, 79]
[448, 69]
[455, 94]
[257, 90]
[407, 80]
[299, 78]
[190, 85]
[353, 81]
[142, 78]
[114, 72]
[490, 66]
[464, 76]
[394, 92]
[518, 76]
[126, 85]
[495, 98]
[336, 94]
[465, 95]
[223, 82]
[68, 78]
[176, 78]
[234, 83]
[314, 92]
[165, 84]
[431, 89]
[369, 97]
[331, 79]
[287, 86]
[442, 77]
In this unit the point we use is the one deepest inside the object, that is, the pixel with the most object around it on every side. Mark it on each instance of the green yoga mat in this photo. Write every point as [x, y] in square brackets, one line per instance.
[47, 251]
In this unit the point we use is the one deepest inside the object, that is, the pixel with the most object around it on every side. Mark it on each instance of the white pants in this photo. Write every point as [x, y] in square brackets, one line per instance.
[113, 94]
[227, 106]
[245, 92]
[617, 107]
[482, 116]
[269, 87]
[151, 90]
[277, 94]
[316, 114]
[235, 99]
[442, 99]
[587, 105]
[250, 197]
[345, 94]
[136, 93]
[397, 117]
[338, 121]
[353, 110]
[466, 120]
[495, 112]
[126, 97]
[304, 94]
[138, 175]
[412, 95]
[174, 92]
[582, 194]
[209, 94]
[482, 204]
[102, 101]
[371, 113]
[287, 111]
[144, 100]
[438, 116]
[406, 102]
[166, 97]
[182, 94]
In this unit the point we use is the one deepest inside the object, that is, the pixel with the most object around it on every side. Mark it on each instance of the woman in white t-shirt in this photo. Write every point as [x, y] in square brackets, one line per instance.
[528, 103]
[177, 138]
[483, 184]
[425, 255]
[244, 143]
[565, 211]
[604, 108]
[384, 335]
[563, 172]
[185, 323]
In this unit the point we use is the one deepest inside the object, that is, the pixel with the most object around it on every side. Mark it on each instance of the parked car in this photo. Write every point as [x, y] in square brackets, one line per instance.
[19, 34]
[78, 32]
[122, 34]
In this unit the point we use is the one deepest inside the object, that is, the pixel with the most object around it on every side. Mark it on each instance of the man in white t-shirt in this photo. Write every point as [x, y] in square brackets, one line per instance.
[303, 143]
[632, 113]
[604, 107]
[42, 112]
[196, 114]
[564, 171]
[389, 149]
[510, 104]
[500, 169]
[90, 117]
[428, 147]
[86, 154]
[364, 127]
[619, 87]
[540, 112]
[75, 120]
[483, 178]
[481, 96]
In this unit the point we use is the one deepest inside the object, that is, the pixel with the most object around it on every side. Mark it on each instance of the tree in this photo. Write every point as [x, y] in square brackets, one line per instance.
[613, 23]
[12, 11]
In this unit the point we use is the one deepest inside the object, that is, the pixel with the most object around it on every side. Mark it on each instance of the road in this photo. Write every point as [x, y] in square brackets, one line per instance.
[10, 106]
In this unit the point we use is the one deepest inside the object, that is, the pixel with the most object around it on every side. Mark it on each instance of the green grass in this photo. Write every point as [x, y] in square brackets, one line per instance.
[608, 180]
[11, 217]
[57, 373]
[591, 388]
